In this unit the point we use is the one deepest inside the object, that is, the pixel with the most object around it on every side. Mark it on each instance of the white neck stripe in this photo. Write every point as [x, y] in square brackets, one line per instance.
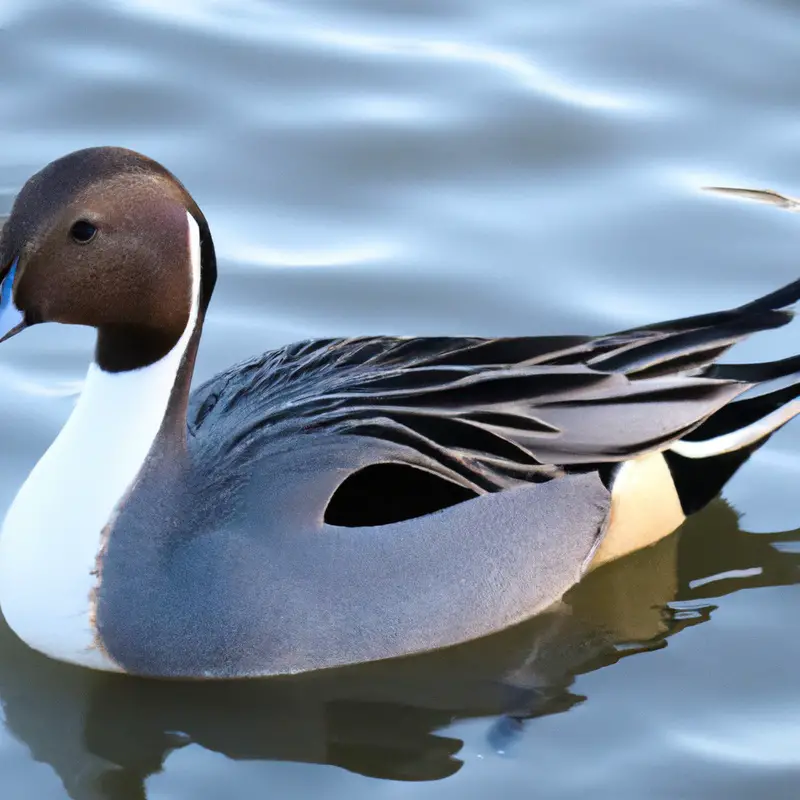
[52, 533]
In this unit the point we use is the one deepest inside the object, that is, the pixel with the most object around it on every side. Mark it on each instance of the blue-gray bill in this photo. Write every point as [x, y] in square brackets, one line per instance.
[12, 320]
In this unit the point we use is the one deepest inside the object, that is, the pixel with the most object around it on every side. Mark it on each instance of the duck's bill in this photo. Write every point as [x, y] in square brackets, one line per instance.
[12, 320]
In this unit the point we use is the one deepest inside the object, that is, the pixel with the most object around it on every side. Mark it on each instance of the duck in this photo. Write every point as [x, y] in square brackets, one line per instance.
[334, 501]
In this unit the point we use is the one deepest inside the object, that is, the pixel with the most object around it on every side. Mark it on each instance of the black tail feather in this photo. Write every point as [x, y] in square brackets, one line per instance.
[698, 480]
[781, 298]
[743, 412]
[756, 373]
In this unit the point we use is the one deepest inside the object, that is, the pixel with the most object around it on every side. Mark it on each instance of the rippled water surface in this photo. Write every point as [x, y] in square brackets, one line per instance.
[442, 166]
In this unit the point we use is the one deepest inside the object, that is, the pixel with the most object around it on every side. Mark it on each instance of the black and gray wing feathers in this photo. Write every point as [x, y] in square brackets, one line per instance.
[493, 412]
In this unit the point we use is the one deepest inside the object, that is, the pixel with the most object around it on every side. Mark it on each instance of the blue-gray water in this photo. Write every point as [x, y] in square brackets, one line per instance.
[442, 166]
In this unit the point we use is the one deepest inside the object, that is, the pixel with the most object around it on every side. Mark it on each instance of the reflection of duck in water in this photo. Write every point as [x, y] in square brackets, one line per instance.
[105, 734]
[635, 605]
[334, 502]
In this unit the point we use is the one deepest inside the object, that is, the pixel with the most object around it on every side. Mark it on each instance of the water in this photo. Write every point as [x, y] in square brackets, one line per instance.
[434, 166]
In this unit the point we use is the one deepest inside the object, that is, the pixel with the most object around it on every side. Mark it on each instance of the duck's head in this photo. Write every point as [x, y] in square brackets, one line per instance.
[108, 238]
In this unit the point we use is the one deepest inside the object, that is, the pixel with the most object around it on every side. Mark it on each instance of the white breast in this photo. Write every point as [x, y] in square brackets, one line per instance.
[53, 532]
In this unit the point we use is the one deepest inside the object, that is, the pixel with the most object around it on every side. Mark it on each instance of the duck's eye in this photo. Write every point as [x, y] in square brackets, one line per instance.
[83, 231]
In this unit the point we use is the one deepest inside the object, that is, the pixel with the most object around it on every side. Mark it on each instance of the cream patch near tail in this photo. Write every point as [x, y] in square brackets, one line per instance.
[644, 508]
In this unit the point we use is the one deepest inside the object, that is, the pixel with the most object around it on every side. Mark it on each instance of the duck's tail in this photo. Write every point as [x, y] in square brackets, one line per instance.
[702, 462]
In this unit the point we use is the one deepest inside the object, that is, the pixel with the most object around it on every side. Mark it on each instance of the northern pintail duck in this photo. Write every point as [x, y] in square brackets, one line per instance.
[341, 500]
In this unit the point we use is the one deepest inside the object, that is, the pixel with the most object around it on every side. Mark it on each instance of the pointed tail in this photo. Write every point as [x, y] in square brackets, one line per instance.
[703, 462]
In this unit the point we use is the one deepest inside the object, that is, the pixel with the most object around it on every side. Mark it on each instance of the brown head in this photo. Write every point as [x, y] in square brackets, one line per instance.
[101, 237]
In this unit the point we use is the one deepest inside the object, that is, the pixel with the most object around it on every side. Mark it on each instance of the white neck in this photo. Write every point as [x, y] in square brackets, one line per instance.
[53, 532]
